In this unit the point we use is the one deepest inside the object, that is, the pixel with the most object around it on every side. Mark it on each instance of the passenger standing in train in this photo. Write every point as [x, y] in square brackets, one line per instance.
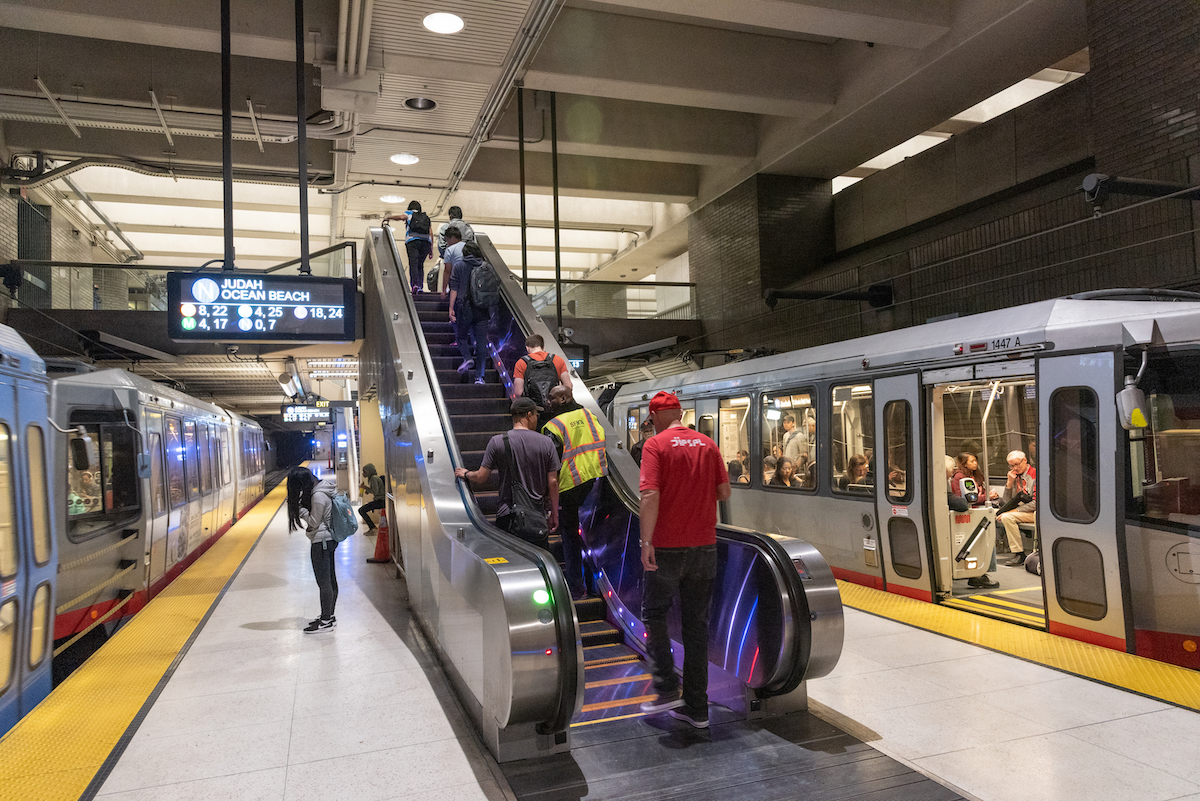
[1022, 478]
[310, 504]
[682, 478]
[791, 438]
[418, 241]
[579, 438]
[646, 431]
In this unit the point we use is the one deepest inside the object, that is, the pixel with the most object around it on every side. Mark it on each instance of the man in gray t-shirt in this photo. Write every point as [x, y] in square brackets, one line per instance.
[536, 461]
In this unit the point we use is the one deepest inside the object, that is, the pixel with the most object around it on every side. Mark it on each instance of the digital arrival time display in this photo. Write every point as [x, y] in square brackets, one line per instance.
[235, 307]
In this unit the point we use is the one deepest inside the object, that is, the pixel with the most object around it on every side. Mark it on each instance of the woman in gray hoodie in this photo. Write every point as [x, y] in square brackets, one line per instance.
[310, 504]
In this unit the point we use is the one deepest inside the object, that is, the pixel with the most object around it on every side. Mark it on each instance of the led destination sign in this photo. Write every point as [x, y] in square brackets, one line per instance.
[293, 413]
[254, 306]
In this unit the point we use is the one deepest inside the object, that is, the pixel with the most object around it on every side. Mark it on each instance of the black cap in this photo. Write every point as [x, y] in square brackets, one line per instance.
[523, 405]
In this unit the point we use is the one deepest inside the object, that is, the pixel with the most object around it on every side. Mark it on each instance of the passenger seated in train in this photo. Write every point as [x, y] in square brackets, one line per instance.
[769, 468]
[785, 475]
[857, 475]
[1021, 488]
[967, 466]
[737, 474]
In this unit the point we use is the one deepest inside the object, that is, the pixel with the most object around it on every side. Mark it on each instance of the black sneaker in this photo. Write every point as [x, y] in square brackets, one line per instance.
[320, 625]
[696, 718]
[983, 583]
[663, 703]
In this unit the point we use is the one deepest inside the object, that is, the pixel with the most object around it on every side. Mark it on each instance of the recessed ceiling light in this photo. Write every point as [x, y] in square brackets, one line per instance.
[441, 22]
[405, 158]
[420, 104]
[392, 199]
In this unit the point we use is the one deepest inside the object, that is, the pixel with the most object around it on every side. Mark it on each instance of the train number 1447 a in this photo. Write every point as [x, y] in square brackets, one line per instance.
[1006, 342]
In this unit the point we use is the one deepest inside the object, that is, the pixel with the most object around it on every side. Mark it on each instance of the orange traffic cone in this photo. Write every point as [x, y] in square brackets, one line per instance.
[383, 547]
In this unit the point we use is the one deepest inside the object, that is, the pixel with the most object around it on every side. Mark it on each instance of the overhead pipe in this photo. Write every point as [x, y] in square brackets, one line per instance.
[157, 171]
[167, 128]
[91, 204]
[343, 12]
[364, 39]
[254, 120]
[1097, 187]
[352, 38]
[54, 102]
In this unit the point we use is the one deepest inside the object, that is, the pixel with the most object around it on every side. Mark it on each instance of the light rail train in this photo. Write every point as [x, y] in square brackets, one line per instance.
[110, 486]
[873, 425]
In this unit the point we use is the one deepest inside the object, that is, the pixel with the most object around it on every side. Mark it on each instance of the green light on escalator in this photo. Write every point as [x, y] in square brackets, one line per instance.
[541, 597]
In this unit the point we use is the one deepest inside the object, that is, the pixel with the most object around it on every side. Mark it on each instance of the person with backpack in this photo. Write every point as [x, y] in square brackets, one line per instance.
[418, 241]
[537, 372]
[465, 232]
[310, 505]
[374, 485]
[474, 295]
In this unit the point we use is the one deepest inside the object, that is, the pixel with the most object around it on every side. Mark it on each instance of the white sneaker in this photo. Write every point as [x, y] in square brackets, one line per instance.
[467, 365]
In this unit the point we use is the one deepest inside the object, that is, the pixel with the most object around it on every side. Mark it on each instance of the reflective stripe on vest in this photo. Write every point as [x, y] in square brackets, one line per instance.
[583, 448]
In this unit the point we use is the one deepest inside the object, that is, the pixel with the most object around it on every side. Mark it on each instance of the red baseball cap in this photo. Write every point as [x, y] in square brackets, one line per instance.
[664, 400]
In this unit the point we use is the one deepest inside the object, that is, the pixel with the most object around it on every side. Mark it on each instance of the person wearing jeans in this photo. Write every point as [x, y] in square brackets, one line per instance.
[310, 505]
[682, 478]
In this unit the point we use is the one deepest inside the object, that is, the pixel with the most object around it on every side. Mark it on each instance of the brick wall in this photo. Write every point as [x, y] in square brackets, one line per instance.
[724, 260]
[8, 242]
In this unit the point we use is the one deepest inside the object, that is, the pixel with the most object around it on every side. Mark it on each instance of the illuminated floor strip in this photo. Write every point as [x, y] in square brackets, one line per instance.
[1175, 685]
[607, 720]
[616, 660]
[616, 702]
[58, 748]
[614, 682]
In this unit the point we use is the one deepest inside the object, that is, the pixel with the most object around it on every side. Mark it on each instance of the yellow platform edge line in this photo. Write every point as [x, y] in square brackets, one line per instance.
[1159, 680]
[56, 750]
[995, 608]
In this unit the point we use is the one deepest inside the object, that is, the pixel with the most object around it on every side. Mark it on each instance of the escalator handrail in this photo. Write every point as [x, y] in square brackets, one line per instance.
[777, 559]
[565, 623]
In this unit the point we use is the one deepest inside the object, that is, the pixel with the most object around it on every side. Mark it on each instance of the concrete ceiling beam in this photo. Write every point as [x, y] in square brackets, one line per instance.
[588, 176]
[903, 23]
[609, 55]
[610, 128]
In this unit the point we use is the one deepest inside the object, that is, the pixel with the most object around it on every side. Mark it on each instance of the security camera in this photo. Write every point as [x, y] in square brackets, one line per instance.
[231, 349]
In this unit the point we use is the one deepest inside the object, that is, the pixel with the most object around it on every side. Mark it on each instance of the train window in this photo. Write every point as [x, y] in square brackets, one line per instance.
[205, 462]
[244, 454]
[222, 470]
[1165, 456]
[853, 429]
[1079, 578]
[905, 544]
[8, 523]
[158, 487]
[1074, 455]
[733, 434]
[8, 642]
[706, 426]
[39, 493]
[897, 439]
[84, 483]
[119, 468]
[191, 461]
[788, 440]
[38, 625]
[989, 420]
[176, 489]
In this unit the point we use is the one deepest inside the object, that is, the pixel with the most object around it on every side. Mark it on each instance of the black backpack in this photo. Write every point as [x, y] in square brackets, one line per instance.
[418, 223]
[484, 289]
[540, 378]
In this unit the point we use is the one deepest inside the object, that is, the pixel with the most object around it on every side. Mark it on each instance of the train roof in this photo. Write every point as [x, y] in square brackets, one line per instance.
[116, 378]
[1060, 325]
[17, 354]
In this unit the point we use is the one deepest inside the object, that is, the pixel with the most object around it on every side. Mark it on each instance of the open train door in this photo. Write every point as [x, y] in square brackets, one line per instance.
[1078, 520]
[904, 548]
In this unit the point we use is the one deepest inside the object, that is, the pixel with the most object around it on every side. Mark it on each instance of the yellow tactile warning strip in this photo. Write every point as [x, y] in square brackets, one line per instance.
[1169, 683]
[57, 750]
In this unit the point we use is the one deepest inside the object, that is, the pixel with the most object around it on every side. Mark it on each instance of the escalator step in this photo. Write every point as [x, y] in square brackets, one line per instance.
[493, 423]
[590, 609]
[476, 407]
[457, 391]
[473, 440]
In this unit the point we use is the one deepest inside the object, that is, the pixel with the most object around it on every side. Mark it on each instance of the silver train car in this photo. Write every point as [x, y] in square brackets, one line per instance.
[873, 426]
[146, 479]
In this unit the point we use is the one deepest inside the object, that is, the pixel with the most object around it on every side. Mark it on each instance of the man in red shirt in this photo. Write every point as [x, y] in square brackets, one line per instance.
[683, 476]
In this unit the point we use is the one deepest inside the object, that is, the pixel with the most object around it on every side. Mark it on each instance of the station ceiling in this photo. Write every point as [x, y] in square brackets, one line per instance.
[662, 107]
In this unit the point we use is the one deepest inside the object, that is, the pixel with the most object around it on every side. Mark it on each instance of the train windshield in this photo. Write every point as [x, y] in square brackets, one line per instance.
[1165, 457]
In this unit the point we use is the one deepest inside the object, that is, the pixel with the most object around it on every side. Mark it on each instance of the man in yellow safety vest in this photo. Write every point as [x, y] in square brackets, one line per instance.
[579, 437]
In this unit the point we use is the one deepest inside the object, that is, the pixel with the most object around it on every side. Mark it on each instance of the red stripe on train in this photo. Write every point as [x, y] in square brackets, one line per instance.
[911, 592]
[1169, 647]
[865, 579]
[76, 620]
[1083, 635]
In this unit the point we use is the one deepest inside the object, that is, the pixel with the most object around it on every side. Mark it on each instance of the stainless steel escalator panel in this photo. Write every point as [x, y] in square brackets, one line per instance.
[470, 586]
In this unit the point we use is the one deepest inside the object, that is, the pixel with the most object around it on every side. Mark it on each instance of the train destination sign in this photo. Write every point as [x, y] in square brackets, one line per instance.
[311, 415]
[234, 307]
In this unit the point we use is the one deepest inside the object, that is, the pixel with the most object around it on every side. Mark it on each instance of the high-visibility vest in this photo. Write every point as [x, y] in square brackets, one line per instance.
[583, 447]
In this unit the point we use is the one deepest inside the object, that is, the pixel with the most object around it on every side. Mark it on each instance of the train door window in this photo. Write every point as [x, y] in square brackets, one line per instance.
[788, 440]
[84, 481]
[8, 522]
[633, 426]
[221, 467]
[191, 462]
[158, 487]
[1074, 454]
[897, 434]
[734, 436]
[689, 416]
[1079, 578]
[1165, 456]
[8, 642]
[176, 488]
[205, 461]
[38, 625]
[706, 426]
[39, 493]
[243, 455]
[905, 543]
[119, 468]
[989, 420]
[853, 456]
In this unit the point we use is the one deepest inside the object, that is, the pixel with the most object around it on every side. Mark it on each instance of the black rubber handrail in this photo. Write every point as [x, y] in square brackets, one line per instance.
[568, 634]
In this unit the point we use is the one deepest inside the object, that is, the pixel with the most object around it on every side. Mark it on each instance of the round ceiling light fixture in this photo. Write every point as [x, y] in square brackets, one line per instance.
[442, 22]
[392, 200]
[405, 158]
[420, 104]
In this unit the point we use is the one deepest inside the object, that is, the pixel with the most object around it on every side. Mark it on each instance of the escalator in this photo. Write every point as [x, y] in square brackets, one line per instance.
[535, 675]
